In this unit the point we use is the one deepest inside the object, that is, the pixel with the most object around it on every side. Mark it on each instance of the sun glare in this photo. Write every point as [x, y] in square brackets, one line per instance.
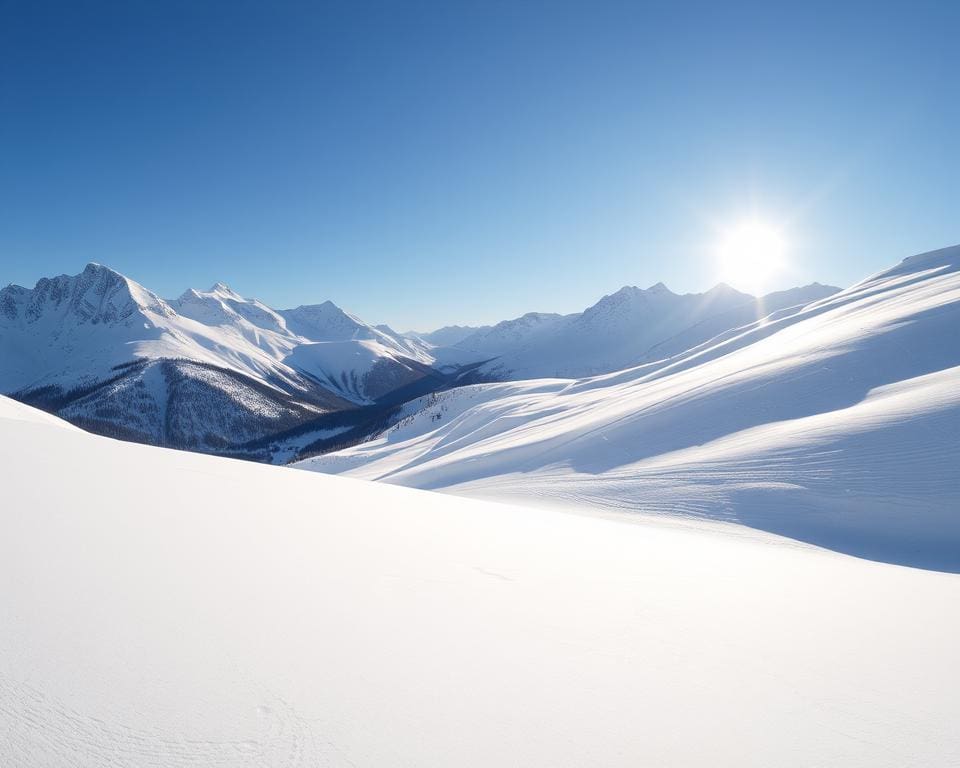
[751, 254]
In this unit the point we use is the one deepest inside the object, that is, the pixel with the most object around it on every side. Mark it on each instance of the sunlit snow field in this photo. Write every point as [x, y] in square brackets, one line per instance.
[166, 608]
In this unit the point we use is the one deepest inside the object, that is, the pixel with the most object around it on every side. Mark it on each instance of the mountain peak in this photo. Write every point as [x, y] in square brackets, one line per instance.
[326, 322]
[191, 294]
[632, 292]
[724, 289]
[98, 294]
[322, 306]
[96, 269]
[224, 290]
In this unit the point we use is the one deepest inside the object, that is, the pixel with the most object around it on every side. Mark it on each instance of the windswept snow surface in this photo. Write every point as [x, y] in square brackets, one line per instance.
[170, 609]
[838, 424]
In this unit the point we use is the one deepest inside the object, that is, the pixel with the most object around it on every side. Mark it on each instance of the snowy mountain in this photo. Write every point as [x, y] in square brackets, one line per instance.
[836, 423]
[181, 610]
[625, 328]
[209, 370]
[327, 322]
[512, 337]
[359, 370]
[73, 331]
[448, 335]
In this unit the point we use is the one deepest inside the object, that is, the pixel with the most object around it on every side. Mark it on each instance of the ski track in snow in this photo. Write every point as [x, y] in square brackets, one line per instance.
[41, 731]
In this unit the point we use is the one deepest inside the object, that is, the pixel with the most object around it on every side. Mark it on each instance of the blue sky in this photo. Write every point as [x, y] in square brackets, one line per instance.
[423, 164]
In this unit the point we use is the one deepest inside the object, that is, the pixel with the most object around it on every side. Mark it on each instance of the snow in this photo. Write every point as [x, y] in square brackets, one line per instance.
[11, 410]
[622, 329]
[346, 367]
[108, 354]
[448, 335]
[284, 449]
[71, 331]
[166, 608]
[327, 322]
[837, 423]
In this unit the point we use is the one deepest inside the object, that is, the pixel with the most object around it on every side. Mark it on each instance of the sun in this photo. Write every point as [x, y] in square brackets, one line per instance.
[751, 254]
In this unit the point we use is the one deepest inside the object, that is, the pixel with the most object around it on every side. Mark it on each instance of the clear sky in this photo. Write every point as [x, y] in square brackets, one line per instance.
[431, 163]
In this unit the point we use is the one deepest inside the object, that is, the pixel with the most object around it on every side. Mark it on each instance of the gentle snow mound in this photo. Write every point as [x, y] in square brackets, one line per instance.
[165, 608]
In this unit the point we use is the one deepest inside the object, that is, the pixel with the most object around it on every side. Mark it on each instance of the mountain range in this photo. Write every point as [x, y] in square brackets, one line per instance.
[625, 328]
[216, 372]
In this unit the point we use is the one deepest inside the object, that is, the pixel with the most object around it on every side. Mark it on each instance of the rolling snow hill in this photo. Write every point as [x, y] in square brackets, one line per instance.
[173, 609]
[837, 423]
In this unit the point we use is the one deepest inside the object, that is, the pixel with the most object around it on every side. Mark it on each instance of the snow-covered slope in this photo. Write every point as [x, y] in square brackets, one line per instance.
[838, 423]
[511, 337]
[360, 370]
[712, 327]
[172, 609]
[327, 322]
[186, 404]
[12, 410]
